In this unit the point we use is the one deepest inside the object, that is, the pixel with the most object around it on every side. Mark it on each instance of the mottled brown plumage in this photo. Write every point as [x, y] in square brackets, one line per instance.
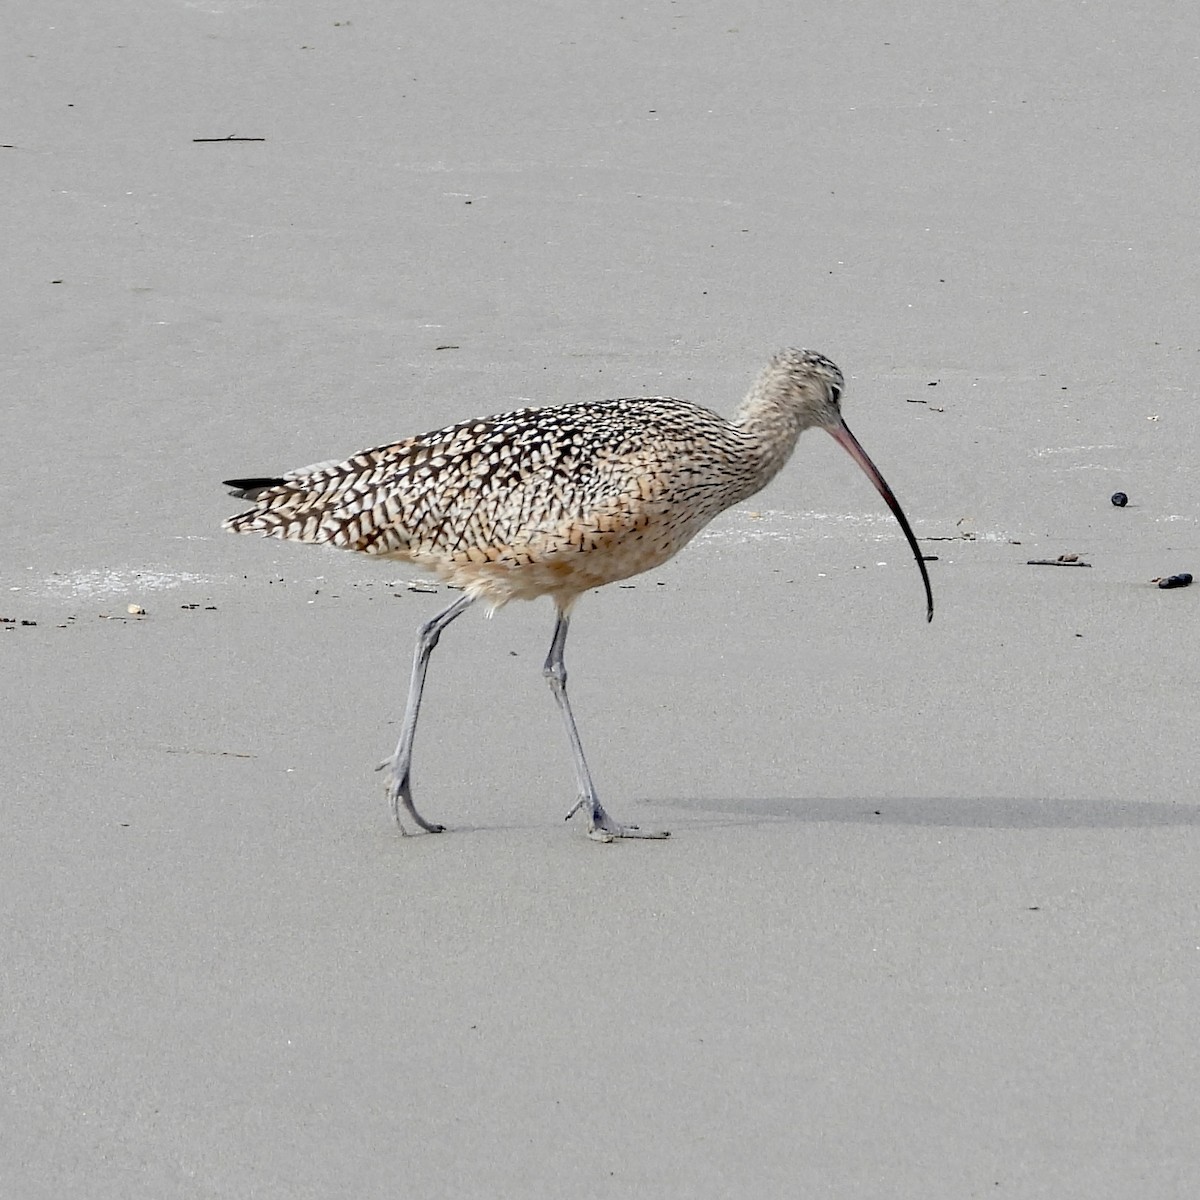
[540, 501]
[553, 502]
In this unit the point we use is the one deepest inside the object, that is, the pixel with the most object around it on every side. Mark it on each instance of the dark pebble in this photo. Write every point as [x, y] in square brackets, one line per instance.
[1174, 581]
[1120, 499]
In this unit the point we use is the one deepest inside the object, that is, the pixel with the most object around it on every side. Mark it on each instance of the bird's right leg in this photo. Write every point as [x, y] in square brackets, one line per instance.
[399, 766]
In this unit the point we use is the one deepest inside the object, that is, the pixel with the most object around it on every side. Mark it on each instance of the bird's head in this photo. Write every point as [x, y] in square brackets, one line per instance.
[811, 386]
[808, 383]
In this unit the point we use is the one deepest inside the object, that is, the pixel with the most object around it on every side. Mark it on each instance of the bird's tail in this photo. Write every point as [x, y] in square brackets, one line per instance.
[325, 503]
[284, 507]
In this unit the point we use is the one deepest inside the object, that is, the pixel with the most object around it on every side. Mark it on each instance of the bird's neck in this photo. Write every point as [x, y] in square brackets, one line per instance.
[770, 428]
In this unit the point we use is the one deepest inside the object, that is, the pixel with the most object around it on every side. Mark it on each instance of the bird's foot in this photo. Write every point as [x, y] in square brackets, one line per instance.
[602, 828]
[399, 794]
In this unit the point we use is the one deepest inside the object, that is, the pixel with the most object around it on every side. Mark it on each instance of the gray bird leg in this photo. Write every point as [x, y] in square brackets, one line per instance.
[601, 826]
[399, 766]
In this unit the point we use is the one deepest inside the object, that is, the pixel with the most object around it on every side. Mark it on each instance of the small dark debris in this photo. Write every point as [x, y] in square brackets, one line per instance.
[1189, 579]
[1119, 499]
[210, 608]
[929, 558]
[447, 347]
[1171, 581]
[1063, 560]
[230, 138]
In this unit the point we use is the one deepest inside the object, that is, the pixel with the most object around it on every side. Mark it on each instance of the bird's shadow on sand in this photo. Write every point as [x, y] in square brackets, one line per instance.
[954, 812]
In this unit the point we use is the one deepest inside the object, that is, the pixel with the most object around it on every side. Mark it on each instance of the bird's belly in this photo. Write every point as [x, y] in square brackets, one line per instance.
[562, 566]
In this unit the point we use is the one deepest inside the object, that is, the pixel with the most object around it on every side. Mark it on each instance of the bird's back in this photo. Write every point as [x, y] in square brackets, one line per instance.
[526, 503]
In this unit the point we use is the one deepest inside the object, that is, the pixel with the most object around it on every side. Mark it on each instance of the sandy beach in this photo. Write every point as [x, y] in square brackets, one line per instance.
[928, 925]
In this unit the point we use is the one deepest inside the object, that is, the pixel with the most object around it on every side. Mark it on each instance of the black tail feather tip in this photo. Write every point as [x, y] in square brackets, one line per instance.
[251, 489]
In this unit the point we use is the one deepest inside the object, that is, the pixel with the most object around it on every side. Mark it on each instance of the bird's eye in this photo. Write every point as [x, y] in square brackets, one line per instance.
[835, 393]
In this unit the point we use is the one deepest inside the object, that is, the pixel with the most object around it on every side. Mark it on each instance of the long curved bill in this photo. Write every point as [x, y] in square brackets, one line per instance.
[842, 435]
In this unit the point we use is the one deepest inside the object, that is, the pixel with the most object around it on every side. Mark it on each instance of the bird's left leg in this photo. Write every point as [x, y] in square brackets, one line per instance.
[601, 826]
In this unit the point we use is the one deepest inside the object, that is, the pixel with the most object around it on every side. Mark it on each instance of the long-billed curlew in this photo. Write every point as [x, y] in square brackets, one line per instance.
[552, 502]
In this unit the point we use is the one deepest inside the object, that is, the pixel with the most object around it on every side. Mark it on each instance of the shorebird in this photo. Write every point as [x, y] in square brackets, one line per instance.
[553, 502]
